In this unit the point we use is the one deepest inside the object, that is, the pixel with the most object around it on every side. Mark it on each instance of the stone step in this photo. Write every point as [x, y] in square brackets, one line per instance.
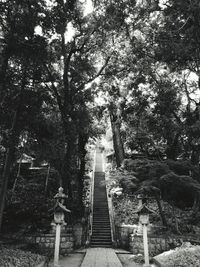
[98, 237]
[103, 216]
[101, 231]
[98, 220]
[101, 244]
[95, 239]
[100, 226]
[101, 219]
[101, 222]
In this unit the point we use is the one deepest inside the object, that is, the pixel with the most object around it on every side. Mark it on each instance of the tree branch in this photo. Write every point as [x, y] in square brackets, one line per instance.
[51, 79]
[100, 71]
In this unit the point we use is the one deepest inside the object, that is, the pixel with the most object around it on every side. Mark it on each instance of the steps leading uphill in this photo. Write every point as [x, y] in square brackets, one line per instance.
[101, 230]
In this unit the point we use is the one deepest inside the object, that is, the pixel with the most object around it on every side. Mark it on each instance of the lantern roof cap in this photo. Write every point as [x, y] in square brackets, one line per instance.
[60, 206]
[60, 194]
[144, 209]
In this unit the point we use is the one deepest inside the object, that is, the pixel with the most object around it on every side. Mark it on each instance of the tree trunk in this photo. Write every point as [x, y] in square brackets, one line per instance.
[4, 63]
[195, 207]
[66, 173]
[69, 170]
[162, 215]
[82, 152]
[14, 137]
[172, 149]
[175, 219]
[117, 141]
[195, 155]
[47, 180]
[17, 176]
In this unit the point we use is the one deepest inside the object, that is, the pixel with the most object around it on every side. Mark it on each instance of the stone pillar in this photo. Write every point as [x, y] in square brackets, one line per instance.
[57, 246]
[146, 249]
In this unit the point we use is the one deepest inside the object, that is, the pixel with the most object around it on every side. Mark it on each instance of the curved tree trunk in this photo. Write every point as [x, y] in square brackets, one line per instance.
[117, 140]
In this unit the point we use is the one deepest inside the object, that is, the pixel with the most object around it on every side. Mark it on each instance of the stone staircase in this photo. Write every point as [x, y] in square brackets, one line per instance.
[101, 230]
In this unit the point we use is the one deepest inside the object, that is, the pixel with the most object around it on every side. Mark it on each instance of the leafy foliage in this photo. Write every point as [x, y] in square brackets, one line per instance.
[19, 258]
[170, 192]
[29, 204]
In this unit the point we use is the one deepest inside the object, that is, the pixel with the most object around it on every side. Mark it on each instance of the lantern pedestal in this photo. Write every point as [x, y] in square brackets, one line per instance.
[57, 246]
[146, 249]
[144, 220]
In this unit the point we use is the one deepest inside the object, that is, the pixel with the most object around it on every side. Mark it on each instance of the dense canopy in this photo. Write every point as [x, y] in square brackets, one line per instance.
[72, 69]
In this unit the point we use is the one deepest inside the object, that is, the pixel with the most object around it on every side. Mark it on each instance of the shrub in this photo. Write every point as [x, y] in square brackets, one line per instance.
[180, 167]
[145, 169]
[179, 188]
[19, 258]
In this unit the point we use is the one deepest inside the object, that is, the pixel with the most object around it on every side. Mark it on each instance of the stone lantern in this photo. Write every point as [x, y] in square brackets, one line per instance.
[60, 196]
[143, 212]
[59, 216]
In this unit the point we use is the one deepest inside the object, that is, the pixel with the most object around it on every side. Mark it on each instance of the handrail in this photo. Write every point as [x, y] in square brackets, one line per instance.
[90, 217]
[111, 213]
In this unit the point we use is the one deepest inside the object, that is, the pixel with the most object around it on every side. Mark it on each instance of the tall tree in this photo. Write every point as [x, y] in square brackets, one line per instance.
[18, 23]
[72, 65]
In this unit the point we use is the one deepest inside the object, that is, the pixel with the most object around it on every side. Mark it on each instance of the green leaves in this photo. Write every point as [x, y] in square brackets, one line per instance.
[19, 258]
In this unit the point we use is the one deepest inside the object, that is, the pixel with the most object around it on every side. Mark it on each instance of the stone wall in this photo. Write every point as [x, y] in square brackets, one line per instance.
[71, 238]
[79, 235]
[47, 242]
[130, 237]
[122, 235]
[124, 231]
[158, 244]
